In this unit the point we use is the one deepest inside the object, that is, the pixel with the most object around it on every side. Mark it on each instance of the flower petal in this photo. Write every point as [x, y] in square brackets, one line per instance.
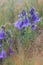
[10, 50]
[26, 22]
[23, 12]
[19, 24]
[33, 26]
[35, 17]
[2, 34]
[3, 54]
[31, 10]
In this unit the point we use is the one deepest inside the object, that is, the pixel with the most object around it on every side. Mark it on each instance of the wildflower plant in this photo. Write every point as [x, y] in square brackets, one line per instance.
[26, 20]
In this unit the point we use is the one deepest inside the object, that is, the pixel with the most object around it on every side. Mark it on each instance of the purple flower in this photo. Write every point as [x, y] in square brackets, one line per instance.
[2, 34]
[22, 23]
[26, 22]
[33, 26]
[3, 54]
[23, 12]
[10, 51]
[31, 10]
[19, 24]
[11, 40]
[35, 18]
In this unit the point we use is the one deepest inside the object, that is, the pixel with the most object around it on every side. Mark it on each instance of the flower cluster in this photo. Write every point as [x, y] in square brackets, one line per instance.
[2, 51]
[4, 37]
[25, 20]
